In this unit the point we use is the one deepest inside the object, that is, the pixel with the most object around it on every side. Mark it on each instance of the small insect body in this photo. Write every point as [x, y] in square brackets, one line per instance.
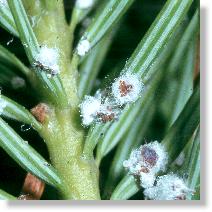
[144, 169]
[124, 88]
[40, 67]
[47, 60]
[105, 117]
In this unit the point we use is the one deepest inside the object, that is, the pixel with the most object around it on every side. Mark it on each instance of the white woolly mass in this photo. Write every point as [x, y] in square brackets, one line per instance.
[106, 106]
[147, 179]
[4, 3]
[168, 187]
[127, 88]
[84, 4]
[83, 47]
[146, 162]
[97, 109]
[48, 57]
[3, 104]
[89, 109]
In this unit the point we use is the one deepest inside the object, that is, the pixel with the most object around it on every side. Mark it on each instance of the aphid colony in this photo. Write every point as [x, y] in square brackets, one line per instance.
[145, 163]
[106, 105]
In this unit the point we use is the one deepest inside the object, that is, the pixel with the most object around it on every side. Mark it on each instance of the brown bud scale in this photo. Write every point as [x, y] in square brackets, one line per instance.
[32, 189]
[40, 112]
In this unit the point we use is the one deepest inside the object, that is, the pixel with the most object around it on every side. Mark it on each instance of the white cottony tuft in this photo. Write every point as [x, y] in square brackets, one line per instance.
[3, 104]
[97, 109]
[89, 109]
[146, 161]
[168, 187]
[49, 57]
[127, 88]
[4, 3]
[84, 4]
[147, 179]
[83, 47]
[150, 157]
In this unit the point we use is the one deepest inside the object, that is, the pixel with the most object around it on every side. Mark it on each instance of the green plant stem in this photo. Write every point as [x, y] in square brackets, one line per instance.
[64, 141]
[62, 133]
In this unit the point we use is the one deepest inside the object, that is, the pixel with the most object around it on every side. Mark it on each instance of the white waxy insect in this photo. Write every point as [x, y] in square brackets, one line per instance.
[89, 109]
[146, 161]
[83, 47]
[84, 4]
[47, 60]
[127, 88]
[168, 187]
[3, 3]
